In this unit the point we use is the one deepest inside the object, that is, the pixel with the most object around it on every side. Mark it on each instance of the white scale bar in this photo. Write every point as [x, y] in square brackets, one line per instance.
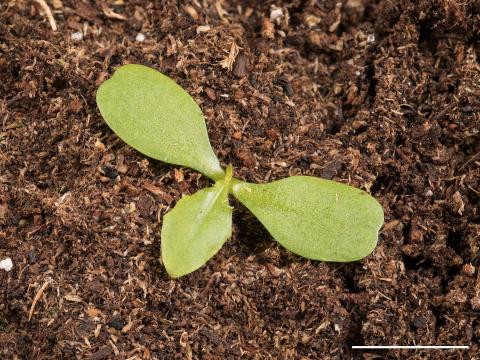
[411, 347]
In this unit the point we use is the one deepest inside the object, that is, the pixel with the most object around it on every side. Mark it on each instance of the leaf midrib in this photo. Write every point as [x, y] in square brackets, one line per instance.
[201, 219]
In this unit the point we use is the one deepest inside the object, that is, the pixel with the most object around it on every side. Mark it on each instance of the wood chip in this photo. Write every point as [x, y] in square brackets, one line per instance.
[128, 326]
[459, 206]
[37, 297]
[390, 225]
[159, 192]
[227, 62]
[93, 312]
[48, 13]
[73, 298]
[103, 353]
[262, 97]
[211, 93]
[111, 14]
[268, 28]
[57, 4]
[114, 347]
[338, 14]
[203, 29]
[240, 68]
[190, 10]
[221, 12]
[3, 212]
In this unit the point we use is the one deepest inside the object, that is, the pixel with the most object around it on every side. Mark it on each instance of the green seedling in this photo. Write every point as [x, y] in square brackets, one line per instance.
[314, 218]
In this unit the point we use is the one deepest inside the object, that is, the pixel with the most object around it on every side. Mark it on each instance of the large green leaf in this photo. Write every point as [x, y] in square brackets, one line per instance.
[154, 115]
[196, 228]
[315, 218]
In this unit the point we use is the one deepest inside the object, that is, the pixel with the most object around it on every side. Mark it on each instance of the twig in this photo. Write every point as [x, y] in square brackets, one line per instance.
[48, 13]
[36, 298]
[5, 297]
[468, 161]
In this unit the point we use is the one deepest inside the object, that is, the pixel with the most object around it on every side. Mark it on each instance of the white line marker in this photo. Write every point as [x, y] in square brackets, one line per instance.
[412, 347]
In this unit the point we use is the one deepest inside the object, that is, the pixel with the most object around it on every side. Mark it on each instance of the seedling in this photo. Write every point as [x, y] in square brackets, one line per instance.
[314, 218]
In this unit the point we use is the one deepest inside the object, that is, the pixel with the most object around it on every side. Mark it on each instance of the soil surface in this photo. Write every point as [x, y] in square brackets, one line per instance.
[383, 95]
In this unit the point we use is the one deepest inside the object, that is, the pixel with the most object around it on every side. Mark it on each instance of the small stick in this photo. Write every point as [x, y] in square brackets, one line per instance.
[5, 297]
[48, 13]
[468, 161]
[36, 298]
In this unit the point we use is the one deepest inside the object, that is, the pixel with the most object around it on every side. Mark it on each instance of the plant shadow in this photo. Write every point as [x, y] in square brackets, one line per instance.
[249, 235]
[251, 238]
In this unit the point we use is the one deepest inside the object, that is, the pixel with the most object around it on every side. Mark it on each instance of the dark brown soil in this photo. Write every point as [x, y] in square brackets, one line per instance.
[383, 95]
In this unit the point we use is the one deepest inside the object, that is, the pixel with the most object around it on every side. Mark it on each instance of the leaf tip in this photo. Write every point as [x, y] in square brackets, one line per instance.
[171, 273]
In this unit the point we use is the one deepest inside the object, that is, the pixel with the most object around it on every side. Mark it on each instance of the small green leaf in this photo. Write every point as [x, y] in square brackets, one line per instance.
[196, 228]
[315, 218]
[154, 115]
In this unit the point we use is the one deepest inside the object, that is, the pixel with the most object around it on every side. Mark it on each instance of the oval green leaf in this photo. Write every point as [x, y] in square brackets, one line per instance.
[154, 115]
[196, 229]
[315, 218]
